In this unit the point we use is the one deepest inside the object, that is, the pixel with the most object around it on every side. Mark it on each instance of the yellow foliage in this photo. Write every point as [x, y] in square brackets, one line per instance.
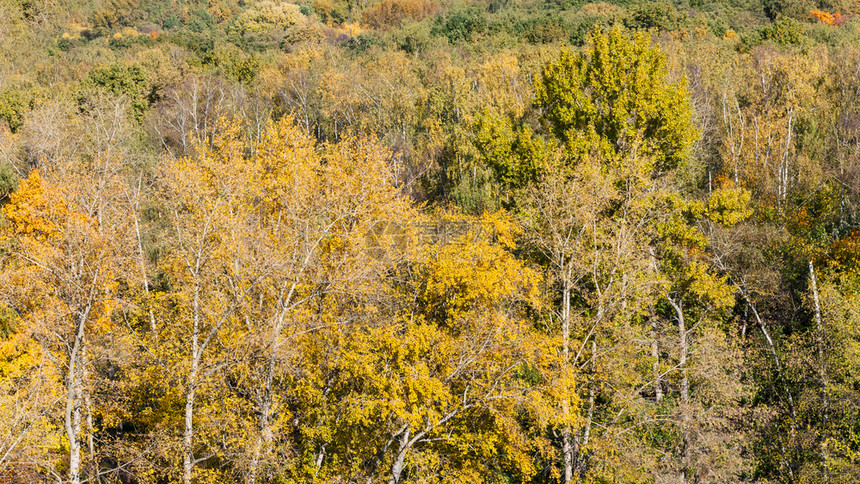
[28, 210]
[470, 272]
[267, 16]
[729, 206]
[59, 277]
[709, 287]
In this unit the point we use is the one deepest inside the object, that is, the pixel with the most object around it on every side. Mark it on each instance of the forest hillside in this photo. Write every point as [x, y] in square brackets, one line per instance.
[429, 241]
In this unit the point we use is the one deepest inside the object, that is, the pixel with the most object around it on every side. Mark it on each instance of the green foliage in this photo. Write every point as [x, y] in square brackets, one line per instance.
[565, 4]
[331, 11]
[510, 149]
[776, 9]
[783, 32]
[8, 320]
[8, 181]
[582, 27]
[14, 103]
[128, 38]
[171, 22]
[197, 16]
[544, 30]
[462, 25]
[655, 15]
[115, 14]
[201, 21]
[496, 6]
[201, 44]
[718, 27]
[233, 62]
[120, 79]
[66, 44]
[415, 40]
[363, 42]
[615, 95]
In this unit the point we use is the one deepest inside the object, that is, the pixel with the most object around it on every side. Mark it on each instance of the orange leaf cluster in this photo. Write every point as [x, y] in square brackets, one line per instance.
[833, 19]
[846, 251]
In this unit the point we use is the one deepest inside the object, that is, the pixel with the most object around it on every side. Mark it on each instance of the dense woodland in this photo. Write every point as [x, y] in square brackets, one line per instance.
[430, 241]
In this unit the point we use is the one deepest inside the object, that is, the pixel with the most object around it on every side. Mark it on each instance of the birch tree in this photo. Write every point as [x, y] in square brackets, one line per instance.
[67, 251]
[211, 265]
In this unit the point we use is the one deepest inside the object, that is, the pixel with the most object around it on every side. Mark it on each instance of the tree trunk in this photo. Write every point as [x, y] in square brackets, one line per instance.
[582, 441]
[92, 466]
[187, 451]
[397, 466]
[263, 423]
[381, 454]
[655, 367]
[153, 329]
[822, 374]
[684, 386]
[255, 461]
[191, 389]
[318, 462]
[73, 423]
[568, 450]
[682, 358]
[74, 391]
[771, 346]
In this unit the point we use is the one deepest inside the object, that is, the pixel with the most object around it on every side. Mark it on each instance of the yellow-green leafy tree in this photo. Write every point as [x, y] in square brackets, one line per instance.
[587, 176]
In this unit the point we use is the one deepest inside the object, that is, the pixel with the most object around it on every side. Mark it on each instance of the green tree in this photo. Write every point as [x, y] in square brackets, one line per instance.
[615, 96]
[119, 79]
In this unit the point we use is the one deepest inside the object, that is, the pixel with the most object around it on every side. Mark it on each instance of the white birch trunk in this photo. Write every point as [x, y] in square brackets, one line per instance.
[191, 390]
[822, 373]
[655, 366]
[74, 391]
[568, 450]
[400, 458]
[684, 386]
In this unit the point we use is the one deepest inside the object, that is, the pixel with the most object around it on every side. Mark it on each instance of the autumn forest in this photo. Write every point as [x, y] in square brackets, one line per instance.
[429, 241]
